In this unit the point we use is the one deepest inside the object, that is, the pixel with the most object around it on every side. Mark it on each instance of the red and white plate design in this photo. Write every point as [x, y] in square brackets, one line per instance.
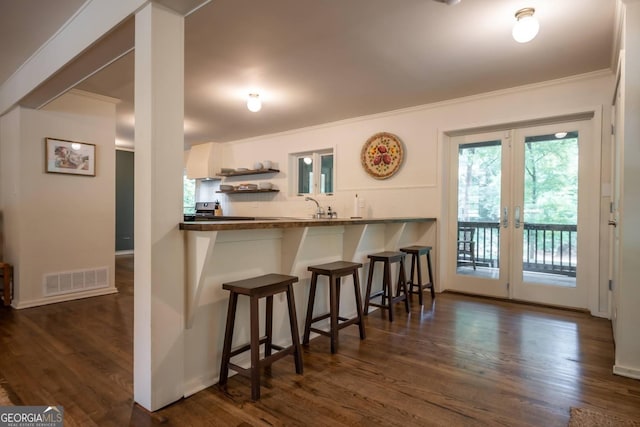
[382, 155]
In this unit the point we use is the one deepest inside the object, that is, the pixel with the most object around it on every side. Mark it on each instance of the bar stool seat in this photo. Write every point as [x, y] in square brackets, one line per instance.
[386, 294]
[255, 288]
[417, 287]
[334, 271]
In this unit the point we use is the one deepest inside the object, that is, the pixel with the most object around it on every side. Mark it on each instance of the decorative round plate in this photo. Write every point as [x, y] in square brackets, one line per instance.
[382, 155]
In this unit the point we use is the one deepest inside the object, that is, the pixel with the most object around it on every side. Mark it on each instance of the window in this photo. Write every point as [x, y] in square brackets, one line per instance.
[314, 172]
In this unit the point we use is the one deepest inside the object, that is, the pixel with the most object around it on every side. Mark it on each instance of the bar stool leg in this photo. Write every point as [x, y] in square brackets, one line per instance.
[431, 282]
[295, 336]
[268, 326]
[228, 337]
[312, 299]
[255, 349]
[334, 297]
[356, 285]
[368, 293]
[386, 288]
[419, 277]
[402, 284]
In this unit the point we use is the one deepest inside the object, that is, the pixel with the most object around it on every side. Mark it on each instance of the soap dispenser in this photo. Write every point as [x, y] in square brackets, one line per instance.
[217, 209]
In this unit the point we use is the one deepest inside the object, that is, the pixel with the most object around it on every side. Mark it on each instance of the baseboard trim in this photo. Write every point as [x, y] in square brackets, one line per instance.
[195, 385]
[626, 372]
[63, 298]
[517, 301]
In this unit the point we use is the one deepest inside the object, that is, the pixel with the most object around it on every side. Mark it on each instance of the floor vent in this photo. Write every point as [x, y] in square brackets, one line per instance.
[75, 281]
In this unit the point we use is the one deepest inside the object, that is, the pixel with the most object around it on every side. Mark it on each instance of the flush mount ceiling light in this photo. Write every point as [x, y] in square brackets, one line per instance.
[448, 2]
[253, 102]
[526, 27]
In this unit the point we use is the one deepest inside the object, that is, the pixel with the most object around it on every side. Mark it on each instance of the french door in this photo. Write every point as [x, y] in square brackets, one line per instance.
[519, 212]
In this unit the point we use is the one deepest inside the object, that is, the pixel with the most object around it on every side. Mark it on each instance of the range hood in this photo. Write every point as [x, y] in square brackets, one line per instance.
[203, 161]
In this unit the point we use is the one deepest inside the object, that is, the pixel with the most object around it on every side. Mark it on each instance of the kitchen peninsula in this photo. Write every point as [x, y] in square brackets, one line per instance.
[223, 251]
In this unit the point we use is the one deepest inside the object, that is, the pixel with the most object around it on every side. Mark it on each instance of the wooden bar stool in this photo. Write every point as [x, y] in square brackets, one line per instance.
[7, 282]
[415, 252]
[334, 271]
[255, 288]
[386, 294]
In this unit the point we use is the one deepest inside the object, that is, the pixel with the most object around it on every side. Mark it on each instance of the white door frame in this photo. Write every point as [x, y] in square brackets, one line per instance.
[446, 241]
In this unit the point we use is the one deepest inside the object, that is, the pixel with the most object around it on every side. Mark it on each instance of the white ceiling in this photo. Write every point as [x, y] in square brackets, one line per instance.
[321, 61]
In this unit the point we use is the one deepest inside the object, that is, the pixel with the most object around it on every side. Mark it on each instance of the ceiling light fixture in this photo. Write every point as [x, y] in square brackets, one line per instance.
[253, 102]
[526, 27]
[449, 2]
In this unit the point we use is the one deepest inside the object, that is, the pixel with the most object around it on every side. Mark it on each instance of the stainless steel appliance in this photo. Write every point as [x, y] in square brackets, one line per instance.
[205, 211]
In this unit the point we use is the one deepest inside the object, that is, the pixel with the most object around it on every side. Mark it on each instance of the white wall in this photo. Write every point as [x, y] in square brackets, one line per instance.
[417, 188]
[53, 222]
[628, 314]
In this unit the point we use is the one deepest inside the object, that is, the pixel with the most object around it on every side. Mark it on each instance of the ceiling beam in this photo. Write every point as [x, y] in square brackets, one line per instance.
[92, 21]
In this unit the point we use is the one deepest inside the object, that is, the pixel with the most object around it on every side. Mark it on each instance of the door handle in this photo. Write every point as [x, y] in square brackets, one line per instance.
[505, 217]
[516, 217]
[613, 222]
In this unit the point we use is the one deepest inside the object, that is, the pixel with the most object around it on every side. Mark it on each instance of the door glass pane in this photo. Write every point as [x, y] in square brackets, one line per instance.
[479, 186]
[550, 209]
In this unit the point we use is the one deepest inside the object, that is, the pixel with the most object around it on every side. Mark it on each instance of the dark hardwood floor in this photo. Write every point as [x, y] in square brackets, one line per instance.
[462, 361]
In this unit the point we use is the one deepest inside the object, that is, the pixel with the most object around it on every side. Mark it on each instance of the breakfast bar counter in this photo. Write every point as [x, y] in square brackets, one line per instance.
[222, 251]
[290, 222]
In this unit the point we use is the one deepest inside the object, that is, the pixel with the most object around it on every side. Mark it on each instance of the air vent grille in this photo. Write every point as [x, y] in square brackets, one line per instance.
[75, 281]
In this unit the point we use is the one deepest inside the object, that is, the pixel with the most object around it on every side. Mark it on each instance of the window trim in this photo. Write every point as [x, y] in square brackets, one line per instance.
[316, 159]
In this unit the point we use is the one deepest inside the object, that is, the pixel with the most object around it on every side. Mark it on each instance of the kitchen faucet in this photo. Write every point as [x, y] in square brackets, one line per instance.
[319, 212]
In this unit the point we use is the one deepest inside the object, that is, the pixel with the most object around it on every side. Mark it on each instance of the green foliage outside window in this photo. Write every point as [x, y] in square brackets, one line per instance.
[189, 195]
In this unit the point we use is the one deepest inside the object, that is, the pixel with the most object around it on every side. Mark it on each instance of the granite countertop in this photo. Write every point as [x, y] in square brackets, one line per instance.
[285, 222]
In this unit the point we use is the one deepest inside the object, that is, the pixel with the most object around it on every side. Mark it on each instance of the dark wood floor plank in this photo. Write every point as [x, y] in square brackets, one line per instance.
[460, 361]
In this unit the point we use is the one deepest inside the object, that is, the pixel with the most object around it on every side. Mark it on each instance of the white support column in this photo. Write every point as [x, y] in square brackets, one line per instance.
[627, 335]
[159, 261]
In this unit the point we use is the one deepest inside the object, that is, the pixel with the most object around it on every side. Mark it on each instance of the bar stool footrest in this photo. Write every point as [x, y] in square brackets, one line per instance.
[392, 300]
[246, 347]
[377, 294]
[344, 322]
[266, 361]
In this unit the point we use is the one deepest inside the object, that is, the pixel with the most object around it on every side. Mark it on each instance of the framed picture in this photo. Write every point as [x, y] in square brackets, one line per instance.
[70, 157]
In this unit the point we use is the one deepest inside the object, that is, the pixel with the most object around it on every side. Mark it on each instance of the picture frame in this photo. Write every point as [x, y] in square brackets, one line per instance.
[70, 157]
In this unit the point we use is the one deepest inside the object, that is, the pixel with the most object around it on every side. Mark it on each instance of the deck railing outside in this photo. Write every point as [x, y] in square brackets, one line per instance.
[547, 248]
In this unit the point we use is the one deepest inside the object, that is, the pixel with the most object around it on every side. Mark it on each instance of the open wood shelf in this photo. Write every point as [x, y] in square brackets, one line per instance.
[271, 190]
[249, 172]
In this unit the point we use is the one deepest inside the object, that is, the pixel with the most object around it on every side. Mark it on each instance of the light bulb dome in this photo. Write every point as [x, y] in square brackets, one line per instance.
[526, 27]
[253, 102]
